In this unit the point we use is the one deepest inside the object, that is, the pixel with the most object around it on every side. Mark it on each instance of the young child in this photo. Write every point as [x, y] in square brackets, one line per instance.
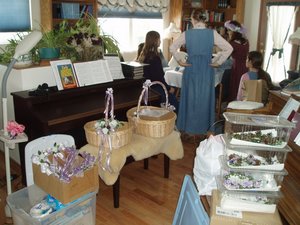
[255, 72]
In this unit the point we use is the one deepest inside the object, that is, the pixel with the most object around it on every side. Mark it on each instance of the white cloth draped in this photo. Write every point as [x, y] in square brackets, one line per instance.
[280, 47]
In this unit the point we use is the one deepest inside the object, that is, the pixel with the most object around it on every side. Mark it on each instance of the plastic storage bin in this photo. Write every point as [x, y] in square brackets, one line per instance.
[240, 179]
[250, 157]
[248, 201]
[257, 130]
[80, 212]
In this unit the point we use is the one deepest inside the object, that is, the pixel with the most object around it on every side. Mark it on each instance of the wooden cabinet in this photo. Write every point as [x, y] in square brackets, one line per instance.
[217, 11]
[289, 205]
[55, 11]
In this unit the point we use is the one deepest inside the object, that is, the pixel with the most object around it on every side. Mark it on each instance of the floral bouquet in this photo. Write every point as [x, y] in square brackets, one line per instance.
[14, 129]
[63, 162]
[86, 40]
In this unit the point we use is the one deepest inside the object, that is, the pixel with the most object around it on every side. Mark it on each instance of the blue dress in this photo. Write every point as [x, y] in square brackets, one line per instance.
[197, 95]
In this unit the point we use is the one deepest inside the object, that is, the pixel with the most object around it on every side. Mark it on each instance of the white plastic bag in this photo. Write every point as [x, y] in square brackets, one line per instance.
[207, 165]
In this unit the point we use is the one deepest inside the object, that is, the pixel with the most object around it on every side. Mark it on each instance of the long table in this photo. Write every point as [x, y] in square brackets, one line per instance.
[67, 111]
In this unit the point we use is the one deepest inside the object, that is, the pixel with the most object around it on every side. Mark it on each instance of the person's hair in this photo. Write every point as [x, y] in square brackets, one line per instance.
[256, 59]
[150, 48]
[236, 35]
[199, 15]
[139, 51]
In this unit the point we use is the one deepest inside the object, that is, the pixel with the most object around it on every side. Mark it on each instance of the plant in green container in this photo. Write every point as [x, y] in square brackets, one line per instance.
[53, 42]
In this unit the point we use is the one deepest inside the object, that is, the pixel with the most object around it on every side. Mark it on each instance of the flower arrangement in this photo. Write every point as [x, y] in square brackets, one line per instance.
[259, 137]
[87, 45]
[63, 162]
[103, 126]
[250, 160]
[14, 129]
[241, 181]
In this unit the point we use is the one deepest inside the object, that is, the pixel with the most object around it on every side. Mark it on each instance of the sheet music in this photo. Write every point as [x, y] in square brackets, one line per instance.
[114, 66]
[92, 72]
[292, 104]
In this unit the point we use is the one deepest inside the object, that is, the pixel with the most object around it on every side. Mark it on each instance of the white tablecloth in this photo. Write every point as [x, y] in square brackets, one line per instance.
[174, 78]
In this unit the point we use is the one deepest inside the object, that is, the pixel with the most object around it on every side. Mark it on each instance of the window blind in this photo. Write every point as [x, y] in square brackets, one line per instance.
[122, 12]
[14, 16]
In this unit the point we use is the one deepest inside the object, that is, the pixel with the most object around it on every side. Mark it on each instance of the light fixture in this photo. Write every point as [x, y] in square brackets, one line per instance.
[22, 48]
[294, 39]
[171, 31]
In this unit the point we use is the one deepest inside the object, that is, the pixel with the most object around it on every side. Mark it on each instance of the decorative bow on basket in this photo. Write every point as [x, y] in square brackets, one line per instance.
[108, 133]
[151, 121]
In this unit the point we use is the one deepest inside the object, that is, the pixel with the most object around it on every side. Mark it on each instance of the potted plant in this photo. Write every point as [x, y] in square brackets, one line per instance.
[53, 41]
[9, 50]
[89, 42]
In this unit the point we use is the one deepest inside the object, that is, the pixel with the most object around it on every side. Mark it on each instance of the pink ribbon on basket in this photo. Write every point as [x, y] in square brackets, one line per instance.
[106, 166]
[145, 94]
[106, 137]
[109, 102]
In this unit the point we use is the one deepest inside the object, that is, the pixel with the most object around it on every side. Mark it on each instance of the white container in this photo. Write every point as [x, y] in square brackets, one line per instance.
[248, 201]
[250, 157]
[80, 212]
[239, 179]
[257, 130]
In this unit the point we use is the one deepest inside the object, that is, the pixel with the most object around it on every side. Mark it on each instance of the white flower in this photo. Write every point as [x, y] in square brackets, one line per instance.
[113, 124]
[105, 130]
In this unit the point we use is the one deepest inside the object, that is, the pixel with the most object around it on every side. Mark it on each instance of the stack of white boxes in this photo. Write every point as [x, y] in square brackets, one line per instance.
[253, 166]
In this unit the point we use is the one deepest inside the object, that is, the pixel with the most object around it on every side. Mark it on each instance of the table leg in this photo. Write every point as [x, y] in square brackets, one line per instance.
[146, 163]
[116, 192]
[166, 166]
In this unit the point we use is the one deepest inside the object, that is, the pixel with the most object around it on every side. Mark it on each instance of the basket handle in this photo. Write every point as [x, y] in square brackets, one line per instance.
[146, 85]
[109, 103]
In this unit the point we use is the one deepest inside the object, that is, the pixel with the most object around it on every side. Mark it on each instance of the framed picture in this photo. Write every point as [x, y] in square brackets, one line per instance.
[64, 74]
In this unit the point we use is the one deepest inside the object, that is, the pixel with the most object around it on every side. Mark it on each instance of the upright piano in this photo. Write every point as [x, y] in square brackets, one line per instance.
[66, 111]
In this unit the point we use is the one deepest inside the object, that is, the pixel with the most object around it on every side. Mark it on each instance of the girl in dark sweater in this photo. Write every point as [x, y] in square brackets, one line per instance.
[154, 71]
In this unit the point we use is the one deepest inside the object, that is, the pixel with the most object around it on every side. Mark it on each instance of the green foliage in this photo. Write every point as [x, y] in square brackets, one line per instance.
[9, 50]
[55, 38]
[58, 37]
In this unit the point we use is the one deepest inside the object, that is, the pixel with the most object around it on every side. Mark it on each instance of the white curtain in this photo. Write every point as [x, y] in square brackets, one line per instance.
[280, 19]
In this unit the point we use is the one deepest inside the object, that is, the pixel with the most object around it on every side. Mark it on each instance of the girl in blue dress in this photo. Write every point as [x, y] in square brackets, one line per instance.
[197, 97]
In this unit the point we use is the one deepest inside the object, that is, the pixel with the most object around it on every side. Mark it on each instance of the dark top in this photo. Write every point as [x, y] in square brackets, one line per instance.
[239, 56]
[155, 71]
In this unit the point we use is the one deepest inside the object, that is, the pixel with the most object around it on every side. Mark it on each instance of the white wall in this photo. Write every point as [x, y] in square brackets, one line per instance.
[251, 21]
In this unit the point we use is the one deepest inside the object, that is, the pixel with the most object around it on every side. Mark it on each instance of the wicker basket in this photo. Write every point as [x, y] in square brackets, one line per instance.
[119, 138]
[155, 127]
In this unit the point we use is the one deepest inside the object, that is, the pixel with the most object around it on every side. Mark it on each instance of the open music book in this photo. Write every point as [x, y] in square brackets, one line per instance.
[71, 75]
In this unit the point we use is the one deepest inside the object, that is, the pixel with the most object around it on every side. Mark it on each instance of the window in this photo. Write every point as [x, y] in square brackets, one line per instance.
[14, 17]
[281, 20]
[129, 25]
[130, 32]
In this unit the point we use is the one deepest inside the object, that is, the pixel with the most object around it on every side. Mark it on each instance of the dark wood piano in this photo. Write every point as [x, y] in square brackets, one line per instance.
[67, 111]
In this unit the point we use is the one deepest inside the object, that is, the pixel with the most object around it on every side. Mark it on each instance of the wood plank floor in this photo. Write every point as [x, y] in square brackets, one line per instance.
[146, 197]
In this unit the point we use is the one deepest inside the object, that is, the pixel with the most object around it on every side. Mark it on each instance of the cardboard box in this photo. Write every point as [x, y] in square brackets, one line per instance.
[67, 192]
[248, 218]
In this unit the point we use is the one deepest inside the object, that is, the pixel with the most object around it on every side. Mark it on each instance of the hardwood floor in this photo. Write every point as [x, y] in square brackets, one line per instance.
[146, 197]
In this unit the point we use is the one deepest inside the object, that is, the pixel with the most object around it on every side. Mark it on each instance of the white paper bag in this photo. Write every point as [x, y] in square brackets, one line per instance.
[207, 165]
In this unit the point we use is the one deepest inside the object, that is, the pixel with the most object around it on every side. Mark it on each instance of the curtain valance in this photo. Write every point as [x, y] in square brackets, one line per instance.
[133, 8]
